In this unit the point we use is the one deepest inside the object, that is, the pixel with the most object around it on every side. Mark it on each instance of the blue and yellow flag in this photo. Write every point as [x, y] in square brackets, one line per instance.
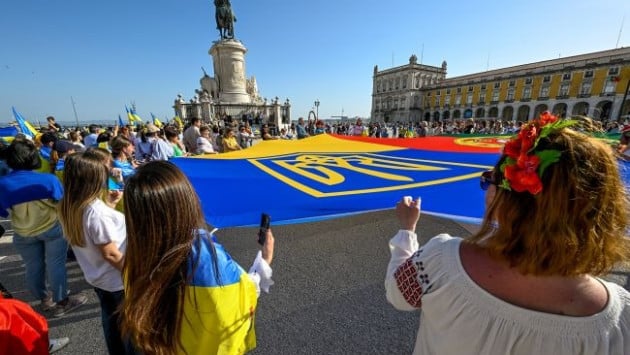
[179, 122]
[135, 116]
[156, 121]
[219, 309]
[26, 128]
[132, 116]
[8, 133]
[326, 176]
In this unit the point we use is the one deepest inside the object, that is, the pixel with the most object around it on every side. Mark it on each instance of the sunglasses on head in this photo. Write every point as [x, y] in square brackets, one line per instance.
[486, 179]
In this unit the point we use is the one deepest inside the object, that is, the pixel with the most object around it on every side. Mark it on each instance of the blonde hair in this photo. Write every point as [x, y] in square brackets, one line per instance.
[84, 178]
[575, 226]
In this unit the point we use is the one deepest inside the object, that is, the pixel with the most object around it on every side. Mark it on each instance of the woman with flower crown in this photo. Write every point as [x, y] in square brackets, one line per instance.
[529, 281]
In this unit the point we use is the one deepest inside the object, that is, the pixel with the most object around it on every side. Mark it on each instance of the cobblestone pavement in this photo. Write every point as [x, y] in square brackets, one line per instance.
[328, 297]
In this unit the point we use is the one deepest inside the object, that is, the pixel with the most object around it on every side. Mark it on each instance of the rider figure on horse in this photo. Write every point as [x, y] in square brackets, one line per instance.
[225, 18]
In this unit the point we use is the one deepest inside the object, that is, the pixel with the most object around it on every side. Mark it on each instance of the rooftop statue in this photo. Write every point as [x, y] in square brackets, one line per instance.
[225, 18]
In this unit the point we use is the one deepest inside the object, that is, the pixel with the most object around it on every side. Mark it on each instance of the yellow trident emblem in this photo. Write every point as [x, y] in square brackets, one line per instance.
[327, 169]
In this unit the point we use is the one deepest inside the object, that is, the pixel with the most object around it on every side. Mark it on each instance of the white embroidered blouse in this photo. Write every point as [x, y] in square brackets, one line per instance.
[459, 317]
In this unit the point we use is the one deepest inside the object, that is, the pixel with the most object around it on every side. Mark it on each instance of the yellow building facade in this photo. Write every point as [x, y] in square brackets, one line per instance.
[594, 84]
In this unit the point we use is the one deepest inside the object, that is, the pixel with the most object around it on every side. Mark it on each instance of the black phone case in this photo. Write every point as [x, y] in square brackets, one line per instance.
[265, 221]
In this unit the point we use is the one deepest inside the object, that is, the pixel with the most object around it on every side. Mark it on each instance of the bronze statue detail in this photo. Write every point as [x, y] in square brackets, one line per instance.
[225, 18]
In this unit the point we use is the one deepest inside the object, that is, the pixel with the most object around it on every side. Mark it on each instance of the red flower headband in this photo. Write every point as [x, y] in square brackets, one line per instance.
[524, 165]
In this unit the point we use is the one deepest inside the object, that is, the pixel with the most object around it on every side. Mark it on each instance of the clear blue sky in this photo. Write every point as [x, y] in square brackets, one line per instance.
[106, 54]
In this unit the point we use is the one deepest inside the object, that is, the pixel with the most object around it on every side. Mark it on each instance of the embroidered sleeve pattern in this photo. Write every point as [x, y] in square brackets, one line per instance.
[412, 281]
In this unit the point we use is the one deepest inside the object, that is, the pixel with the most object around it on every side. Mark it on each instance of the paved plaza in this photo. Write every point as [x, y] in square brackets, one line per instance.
[328, 297]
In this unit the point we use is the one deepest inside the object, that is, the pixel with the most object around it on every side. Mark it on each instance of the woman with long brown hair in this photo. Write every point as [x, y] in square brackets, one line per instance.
[96, 232]
[184, 293]
[529, 282]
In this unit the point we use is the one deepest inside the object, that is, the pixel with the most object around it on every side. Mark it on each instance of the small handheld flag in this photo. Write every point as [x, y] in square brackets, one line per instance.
[179, 121]
[156, 121]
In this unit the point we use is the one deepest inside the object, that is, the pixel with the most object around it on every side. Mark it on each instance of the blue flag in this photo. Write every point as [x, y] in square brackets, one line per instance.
[120, 121]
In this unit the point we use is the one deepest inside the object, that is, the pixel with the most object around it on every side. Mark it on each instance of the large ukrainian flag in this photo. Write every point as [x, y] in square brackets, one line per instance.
[327, 176]
[219, 308]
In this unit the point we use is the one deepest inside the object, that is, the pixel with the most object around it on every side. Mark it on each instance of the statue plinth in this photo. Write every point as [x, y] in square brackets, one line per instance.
[228, 57]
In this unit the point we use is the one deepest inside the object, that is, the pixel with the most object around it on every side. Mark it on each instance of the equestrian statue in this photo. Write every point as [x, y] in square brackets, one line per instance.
[225, 18]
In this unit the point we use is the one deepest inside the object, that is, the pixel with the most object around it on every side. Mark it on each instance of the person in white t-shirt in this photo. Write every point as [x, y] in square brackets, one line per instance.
[97, 235]
[204, 142]
[529, 282]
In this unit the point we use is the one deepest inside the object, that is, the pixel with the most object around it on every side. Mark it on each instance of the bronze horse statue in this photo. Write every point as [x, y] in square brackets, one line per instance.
[225, 18]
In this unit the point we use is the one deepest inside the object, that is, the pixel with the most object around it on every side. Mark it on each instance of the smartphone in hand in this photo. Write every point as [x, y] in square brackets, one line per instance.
[114, 185]
[265, 221]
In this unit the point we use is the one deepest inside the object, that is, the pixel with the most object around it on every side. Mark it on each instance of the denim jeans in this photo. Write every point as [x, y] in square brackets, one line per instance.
[111, 321]
[44, 255]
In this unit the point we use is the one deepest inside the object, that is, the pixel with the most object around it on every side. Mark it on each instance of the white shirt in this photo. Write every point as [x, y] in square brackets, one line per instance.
[459, 317]
[204, 146]
[101, 225]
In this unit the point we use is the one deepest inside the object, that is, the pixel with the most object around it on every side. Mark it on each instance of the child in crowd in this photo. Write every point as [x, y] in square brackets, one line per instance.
[97, 234]
[63, 149]
[122, 152]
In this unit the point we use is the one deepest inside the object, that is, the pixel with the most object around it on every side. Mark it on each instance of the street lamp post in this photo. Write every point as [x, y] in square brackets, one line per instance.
[316, 109]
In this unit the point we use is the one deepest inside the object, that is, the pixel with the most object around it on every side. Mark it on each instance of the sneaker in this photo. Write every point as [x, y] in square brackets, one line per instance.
[47, 304]
[57, 344]
[69, 304]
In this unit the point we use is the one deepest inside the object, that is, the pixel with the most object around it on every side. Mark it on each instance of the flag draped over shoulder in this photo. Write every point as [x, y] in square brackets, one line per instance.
[24, 125]
[326, 176]
[208, 329]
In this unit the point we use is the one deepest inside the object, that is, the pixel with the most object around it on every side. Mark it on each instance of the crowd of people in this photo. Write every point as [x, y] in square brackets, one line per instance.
[528, 282]
[478, 126]
[97, 200]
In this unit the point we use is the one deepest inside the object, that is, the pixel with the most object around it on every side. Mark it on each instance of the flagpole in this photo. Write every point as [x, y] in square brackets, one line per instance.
[76, 117]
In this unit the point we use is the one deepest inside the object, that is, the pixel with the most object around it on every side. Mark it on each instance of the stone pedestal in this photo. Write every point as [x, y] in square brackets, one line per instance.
[228, 57]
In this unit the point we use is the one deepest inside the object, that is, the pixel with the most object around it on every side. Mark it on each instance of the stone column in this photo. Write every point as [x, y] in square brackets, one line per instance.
[228, 57]
[277, 114]
[179, 107]
[206, 109]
